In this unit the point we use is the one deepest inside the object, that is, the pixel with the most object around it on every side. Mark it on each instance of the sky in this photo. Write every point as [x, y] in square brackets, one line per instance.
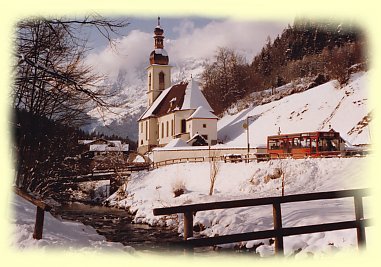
[185, 37]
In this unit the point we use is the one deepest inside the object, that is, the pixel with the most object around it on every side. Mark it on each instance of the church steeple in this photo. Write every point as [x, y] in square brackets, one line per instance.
[159, 37]
[159, 55]
[159, 72]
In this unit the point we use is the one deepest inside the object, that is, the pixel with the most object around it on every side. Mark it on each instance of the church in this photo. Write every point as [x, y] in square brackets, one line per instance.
[178, 111]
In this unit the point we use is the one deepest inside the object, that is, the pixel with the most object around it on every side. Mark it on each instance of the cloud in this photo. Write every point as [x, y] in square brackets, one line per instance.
[132, 51]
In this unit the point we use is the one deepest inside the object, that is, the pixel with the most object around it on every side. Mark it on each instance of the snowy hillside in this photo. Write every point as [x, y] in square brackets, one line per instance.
[344, 109]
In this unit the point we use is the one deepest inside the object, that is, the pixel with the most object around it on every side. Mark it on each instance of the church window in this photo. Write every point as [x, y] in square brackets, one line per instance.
[167, 128]
[183, 126]
[204, 125]
[149, 81]
[172, 127]
[161, 80]
[146, 130]
[162, 130]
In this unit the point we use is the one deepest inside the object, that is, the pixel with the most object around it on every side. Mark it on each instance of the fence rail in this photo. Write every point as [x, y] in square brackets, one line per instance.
[243, 158]
[278, 232]
[260, 157]
[40, 212]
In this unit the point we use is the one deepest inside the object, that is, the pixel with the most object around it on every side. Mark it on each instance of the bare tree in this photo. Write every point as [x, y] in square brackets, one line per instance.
[214, 169]
[52, 82]
[51, 78]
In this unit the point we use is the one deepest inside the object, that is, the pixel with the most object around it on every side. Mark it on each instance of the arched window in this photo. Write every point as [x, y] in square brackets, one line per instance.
[167, 128]
[146, 130]
[161, 80]
[162, 130]
[149, 81]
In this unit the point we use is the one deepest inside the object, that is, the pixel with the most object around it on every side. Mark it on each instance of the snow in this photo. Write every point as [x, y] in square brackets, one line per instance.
[155, 104]
[160, 51]
[57, 233]
[148, 190]
[194, 98]
[312, 110]
[202, 113]
[176, 143]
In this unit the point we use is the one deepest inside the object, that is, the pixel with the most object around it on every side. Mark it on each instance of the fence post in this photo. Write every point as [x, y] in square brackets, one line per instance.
[359, 212]
[39, 224]
[188, 224]
[277, 217]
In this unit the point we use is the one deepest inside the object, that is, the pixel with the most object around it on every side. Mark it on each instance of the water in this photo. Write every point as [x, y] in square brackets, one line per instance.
[116, 225]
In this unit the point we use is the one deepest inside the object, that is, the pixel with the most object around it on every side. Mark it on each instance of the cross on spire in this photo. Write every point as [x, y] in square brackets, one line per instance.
[158, 21]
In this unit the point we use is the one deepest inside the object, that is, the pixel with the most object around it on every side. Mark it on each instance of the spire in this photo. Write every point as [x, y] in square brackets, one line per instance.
[159, 37]
[159, 55]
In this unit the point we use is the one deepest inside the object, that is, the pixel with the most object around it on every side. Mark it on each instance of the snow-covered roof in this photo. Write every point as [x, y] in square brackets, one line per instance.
[176, 143]
[182, 96]
[161, 51]
[194, 98]
[107, 147]
[202, 113]
[149, 112]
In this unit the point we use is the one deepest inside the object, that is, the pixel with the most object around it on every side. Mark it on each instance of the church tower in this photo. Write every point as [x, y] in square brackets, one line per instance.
[159, 72]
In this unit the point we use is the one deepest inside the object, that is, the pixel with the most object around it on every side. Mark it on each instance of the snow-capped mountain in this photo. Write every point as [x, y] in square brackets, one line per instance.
[130, 88]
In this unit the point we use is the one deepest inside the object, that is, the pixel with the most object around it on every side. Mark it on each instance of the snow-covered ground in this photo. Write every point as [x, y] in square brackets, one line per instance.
[67, 235]
[148, 190]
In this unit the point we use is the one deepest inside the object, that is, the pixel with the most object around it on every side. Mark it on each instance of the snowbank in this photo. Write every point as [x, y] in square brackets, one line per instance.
[56, 234]
[148, 190]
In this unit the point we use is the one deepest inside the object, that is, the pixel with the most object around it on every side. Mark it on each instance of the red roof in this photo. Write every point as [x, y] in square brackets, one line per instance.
[172, 101]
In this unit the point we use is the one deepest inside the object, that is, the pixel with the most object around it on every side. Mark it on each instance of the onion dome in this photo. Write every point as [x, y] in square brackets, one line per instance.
[159, 55]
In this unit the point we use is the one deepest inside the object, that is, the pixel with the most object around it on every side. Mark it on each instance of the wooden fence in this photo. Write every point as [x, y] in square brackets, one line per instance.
[40, 212]
[243, 158]
[278, 232]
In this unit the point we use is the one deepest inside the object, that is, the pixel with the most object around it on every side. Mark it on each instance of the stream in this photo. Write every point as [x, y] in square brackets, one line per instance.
[116, 225]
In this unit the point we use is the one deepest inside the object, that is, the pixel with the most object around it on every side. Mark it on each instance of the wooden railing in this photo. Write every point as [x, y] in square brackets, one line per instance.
[279, 231]
[243, 158]
[40, 212]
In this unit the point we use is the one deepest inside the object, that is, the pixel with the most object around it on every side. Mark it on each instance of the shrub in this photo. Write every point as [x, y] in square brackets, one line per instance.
[178, 188]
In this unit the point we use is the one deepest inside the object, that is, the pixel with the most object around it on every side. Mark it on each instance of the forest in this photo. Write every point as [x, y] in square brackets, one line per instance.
[305, 49]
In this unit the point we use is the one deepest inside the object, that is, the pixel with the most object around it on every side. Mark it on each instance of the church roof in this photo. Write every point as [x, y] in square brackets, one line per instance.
[194, 97]
[176, 143]
[202, 113]
[182, 96]
[169, 100]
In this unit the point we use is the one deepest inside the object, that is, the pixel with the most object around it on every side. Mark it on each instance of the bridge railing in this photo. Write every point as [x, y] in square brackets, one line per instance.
[40, 212]
[278, 232]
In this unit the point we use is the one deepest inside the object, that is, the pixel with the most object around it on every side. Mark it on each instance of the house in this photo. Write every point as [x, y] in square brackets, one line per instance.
[103, 147]
[174, 111]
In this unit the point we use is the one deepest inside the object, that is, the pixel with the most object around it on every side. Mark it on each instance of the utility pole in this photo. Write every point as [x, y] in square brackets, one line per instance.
[248, 141]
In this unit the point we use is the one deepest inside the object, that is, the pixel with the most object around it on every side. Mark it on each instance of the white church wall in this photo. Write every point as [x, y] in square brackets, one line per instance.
[204, 127]
[166, 131]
